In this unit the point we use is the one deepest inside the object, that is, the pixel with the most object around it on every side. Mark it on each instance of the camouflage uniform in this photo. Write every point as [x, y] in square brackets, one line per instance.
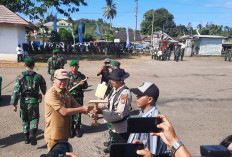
[28, 85]
[54, 63]
[182, 54]
[78, 95]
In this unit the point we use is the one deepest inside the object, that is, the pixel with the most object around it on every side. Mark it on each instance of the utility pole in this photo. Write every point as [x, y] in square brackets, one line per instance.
[136, 14]
[152, 30]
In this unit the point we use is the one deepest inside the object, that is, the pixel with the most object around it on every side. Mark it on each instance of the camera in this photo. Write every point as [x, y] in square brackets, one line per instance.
[214, 151]
[59, 150]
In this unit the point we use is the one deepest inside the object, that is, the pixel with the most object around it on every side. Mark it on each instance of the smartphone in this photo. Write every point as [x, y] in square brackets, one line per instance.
[125, 149]
[143, 124]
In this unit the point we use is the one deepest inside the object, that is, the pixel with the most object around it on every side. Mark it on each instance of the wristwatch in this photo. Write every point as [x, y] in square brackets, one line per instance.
[175, 147]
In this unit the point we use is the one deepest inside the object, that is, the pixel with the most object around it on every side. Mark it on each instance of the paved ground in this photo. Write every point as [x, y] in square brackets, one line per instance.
[195, 95]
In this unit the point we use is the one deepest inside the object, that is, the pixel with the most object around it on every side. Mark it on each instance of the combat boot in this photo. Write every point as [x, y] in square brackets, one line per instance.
[107, 149]
[107, 143]
[79, 133]
[32, 137]
[26, 140]
[73, 133]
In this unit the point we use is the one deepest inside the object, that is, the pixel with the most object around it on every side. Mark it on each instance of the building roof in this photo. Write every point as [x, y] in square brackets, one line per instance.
[209, 36]
[122, 36]
[145, 37]
[48, 24]
[8, 17]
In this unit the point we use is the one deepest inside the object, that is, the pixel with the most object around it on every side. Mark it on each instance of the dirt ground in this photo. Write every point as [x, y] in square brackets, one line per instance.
[194, 94]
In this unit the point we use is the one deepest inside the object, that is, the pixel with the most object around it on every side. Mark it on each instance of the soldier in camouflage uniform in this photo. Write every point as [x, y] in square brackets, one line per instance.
[54, 63]
[76, 77]
[61, 58]
[27, 85]
[182, 54]
[177, 54]
[169, 53]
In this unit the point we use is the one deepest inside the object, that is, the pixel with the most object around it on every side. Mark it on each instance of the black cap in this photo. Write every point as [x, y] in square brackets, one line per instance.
[147, 89]
[119, 75]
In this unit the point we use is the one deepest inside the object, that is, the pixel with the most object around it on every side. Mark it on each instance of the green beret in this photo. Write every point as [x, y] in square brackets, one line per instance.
[115, 63]
[73, 62]
[29, 62]
[55, 51]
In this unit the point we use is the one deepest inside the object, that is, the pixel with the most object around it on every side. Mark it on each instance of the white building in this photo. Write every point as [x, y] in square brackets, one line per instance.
[12, 33]
[208, 44]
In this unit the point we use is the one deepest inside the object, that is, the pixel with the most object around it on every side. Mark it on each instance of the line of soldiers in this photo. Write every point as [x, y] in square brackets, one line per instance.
[166, 53]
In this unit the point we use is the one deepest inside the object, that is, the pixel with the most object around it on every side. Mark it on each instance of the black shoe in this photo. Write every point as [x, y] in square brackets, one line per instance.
[107, 143]
[73, 133]
[79, 133]
[32, 137]
[106, 150]
[26, 140]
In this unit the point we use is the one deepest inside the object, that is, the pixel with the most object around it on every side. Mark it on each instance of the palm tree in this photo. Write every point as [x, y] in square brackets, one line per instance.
[110, 10]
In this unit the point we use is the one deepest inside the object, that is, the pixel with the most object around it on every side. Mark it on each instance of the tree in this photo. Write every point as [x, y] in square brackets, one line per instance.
[163, 20]
[65, 36]
[35, 9]
[199, 26]
[110, 10]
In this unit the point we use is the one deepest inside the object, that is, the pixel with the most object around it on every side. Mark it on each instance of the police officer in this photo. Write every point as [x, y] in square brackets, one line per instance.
[27, 85]
[105, 71]
[54, 63]
[118, 108]
[76, 77]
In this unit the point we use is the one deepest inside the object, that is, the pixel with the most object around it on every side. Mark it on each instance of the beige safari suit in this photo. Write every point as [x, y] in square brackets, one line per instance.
[57, 127]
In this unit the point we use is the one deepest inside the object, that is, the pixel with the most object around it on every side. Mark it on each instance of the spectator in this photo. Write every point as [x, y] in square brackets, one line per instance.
[105, 71]
[19, 54]
[147, 95]
[169, 137]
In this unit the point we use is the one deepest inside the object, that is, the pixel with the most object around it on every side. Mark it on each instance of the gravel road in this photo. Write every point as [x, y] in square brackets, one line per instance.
[196, 96]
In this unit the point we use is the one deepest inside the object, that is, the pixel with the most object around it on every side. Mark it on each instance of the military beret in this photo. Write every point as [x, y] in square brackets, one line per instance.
[29, 62]
[73, 62]
[115, 63]
[56, 51]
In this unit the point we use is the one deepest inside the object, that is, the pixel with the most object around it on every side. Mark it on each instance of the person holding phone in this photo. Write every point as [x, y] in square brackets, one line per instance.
[168, 135]
[147, 95]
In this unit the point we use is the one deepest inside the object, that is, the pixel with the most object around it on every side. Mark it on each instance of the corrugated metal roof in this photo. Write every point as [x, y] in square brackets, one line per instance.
[8, 17]
[209, 36]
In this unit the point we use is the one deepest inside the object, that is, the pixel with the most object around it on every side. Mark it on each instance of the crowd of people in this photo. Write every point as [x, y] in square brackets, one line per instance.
[64, 106]
[165, 53]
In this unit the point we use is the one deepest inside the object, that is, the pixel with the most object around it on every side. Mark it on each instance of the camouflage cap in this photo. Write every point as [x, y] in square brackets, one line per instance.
[73, 62]
[29, 62]
[55, 51]
[61, 74]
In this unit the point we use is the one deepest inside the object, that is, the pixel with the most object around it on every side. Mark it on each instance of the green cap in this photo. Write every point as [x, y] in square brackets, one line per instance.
[73, 62]
[115, 63]
[55, 51]
[29, 62]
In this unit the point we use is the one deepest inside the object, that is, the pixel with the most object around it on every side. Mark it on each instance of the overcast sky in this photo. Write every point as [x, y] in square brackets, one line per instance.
[195, 11]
